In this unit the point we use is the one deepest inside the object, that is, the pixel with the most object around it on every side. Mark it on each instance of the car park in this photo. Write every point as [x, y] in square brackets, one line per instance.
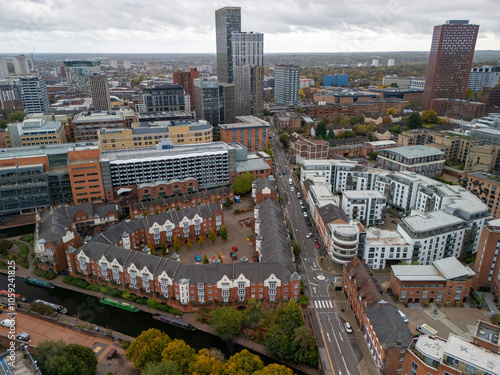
[233, 255]
[347, 327]
[309, 235]
[197, 258]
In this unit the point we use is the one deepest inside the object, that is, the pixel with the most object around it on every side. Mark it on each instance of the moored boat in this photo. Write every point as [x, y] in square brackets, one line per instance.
[119, 304]
[58, 308]
[175, 322]
[19, 297]
[42, 283]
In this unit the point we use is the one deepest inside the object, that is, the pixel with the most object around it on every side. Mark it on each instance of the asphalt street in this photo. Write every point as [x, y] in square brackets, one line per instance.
[339, 350]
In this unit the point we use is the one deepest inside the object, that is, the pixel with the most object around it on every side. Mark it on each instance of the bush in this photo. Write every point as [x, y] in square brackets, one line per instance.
[82, 284]
[24, 263]
[139, 301]
[125, 344]
[41, 309]
[40, 273]
[151, 302]
[174, 311]
[27, 237]
[68, 279]
[93, 287]
[50, 275]
[4, 246]
[115, 293]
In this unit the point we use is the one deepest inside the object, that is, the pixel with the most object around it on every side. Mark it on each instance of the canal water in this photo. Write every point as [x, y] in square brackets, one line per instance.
[89, 309]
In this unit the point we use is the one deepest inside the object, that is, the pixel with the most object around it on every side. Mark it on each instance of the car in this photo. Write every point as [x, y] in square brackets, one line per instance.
[304, 209]
[23, 336]
[292, 189]
[8, 323]
[305, 214]
[298, 195]
[347, 327]
[309, 224]
[235, 248]
[301, 203]
[316, 245]
[309, 235]
[233, 255]
[315, 239]
[197, 258]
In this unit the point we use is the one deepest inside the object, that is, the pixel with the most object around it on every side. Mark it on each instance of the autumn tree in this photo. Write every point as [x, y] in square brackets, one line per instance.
[201, 241]
[223, 232]
[188, 243]
[226, 321]
[205, 259]
[180, 353]
[220, 258]
[147, 347]
[206, 363]
[212, 236]
[151, 248]
[156, 211]
[161, 368]
[177, 244]
[243, 363]
[391, 111]
[274, 369]
[430, 116]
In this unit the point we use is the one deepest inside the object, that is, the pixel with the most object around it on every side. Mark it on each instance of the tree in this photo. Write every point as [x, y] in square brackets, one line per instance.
[161, 368]
[163, 248]
[387, 119]
[243, 363]
[470, 94]
[266, 112]
[56, 358]
[331, 134]
[338, 118]
[391, 111]
[321, 130]
[205, 259]
[180, 353]
[151, 247]
[177, 244]
[3, 123]
[201, 241]
[373, 155]
[188, 243]
[306, 350]
[296, 248]
[284, 138]
[274, 369]
[415, 121]
[206, 363]
[156, 211]
[357, 119]
[301, 94]
[226, 321]
[348, 134]
[243, 183]
[16, 116]
[212, 236]
[254, 313]
[147, 347]
[396, 129]
[223, 232]
[227, 204]
[220, 258]
[299, 110]
[429, 116]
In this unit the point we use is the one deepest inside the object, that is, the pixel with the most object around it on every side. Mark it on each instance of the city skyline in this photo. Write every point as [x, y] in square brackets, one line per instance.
[295, 27]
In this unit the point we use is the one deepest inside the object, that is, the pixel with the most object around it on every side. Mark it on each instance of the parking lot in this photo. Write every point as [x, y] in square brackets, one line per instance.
[239, 235]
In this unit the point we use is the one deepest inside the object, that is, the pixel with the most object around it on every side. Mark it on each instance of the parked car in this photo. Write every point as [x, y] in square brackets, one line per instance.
[23, 336]
[309, 235]
[292, 189]
[301, 203]
[8, 323]
[233, 255]
[235, 248]
[305, 214]
[347, 327]
[316, 245]
[298, 195]
[304, 209]
[309, 224]
[197, 258]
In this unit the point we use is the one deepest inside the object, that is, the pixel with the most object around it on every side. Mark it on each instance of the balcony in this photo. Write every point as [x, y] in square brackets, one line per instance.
[345, 248]
[345, 240]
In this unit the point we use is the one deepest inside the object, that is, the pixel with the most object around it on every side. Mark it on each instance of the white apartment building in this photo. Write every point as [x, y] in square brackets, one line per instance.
[384, 246]
[366, 206]
[345, 240]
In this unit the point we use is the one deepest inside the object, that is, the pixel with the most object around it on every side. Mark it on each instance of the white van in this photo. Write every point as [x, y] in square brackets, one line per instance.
[405, 319]
[290, 182]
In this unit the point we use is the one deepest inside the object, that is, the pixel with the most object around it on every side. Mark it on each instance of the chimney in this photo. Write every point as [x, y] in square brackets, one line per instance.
[258, 245]
[257, 226]
[256, 211]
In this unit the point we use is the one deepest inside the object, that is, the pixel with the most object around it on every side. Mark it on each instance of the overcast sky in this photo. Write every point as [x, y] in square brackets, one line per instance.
[188, 26]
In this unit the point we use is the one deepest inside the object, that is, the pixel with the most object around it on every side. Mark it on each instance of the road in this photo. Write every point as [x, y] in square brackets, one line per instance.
[339, 351]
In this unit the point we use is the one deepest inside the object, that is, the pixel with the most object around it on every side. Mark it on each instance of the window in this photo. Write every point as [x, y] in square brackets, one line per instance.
[414, 368]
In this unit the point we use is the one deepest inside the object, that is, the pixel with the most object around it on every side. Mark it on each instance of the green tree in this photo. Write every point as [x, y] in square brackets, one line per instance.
[227, 204]
[348, 134]
[163, 248]
[470, 94]
[299, 110]
[147, 347]
[430, 116]
[331, 134]
[254, 313]
[415, 121]
[56, 358]
[296, 248]
[177, 244]
[226, 321]
[243, 183]
[373, 155]
[321, 130]
[212, 236]
[223, 232]
[266, 112]
[161, 368]
[201, 241]
[205, 259]
[16, 116]
[305, 348]
[284, 138]
[338, 119]
[220, 258]
[243, 363]
[180, 353]
[274, 369]
[3, 123]
[188, 243]
[396, 129]
[357, 119]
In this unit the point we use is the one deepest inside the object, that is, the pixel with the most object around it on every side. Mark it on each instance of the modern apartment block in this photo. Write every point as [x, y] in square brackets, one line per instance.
[85, 174]
[185, 80]
[487, 265]
[450, 61]
[149, 134]
[99, 92]
[21, 65]
[487, 76]
[366, 206]
[310, 149]
[384, 247]
[486, 187]
[78, 73]
[34, 95]
[34, 132]
[4, 70]
[423, 160]
[444, 281]
[87, 124]
[250, 131]
[227, 21]
[227, 103]
[286, 85]
[164, 97]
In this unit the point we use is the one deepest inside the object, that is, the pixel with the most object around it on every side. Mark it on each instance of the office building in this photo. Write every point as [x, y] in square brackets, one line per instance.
[227, 103]
[286, 85]
[99, 91]
[250, 131]
[149, 134]
[85, 125]
[4, 71]
[207, 103]
[34, 132]
[78, 73]
[34, 95]
[337, 80]
[310, 149]
[423, 160]
[21, 65]
[450, 61]
[185, 80]
[227, 21]
[487, 76]
[164, 97]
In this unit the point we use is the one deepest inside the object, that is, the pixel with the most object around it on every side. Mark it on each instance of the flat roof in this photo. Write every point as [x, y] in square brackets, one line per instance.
[97, 116]
[412, 152]
[63, 148]
[360, 194]
[251, 164]
[431, 220]
[431, 346]
[416, 273]
[474, 355]
[452, 268]
[384, 237]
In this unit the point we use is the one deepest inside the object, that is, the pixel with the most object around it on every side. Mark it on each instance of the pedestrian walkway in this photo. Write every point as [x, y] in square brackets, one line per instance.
[488, 299]
[323, 304]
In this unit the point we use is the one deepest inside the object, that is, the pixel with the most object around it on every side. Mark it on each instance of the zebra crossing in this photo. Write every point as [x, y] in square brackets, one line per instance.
[323, 304]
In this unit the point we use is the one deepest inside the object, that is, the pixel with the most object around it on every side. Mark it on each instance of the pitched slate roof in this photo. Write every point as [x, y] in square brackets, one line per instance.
[330, 213]
[261, 183]
[113, 234]
[367, 285]
[389, 326]
[53, 225]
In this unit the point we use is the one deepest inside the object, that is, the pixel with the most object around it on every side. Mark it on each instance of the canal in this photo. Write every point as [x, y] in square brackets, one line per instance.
[89, 309]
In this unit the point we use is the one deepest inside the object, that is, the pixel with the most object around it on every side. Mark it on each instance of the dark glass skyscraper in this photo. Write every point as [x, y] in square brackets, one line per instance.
[227, 20]
[450, 61]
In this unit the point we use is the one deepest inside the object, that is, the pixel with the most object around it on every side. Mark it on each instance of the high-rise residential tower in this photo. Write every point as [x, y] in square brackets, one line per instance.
[206, 93]
[4, 71]
[248, 72]
[185, 80]
[99, 91]
[286, 85]
[34, 94]
[21, 65]
[450, 61]
[78, 73]
[227, 21]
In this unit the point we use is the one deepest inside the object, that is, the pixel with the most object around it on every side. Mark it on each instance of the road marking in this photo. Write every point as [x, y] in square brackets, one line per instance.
[327, 335]
[337, 341]
[343, 360]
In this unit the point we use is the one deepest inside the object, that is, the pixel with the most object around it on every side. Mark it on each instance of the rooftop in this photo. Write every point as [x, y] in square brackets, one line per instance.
[416, 273]
[431, 221]
[474, 355]
[363, 194]
[246, 122]
[431, 347]
[389, 326]
[384, 237]
[412, 152]
[451, 268]
[98, 116]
